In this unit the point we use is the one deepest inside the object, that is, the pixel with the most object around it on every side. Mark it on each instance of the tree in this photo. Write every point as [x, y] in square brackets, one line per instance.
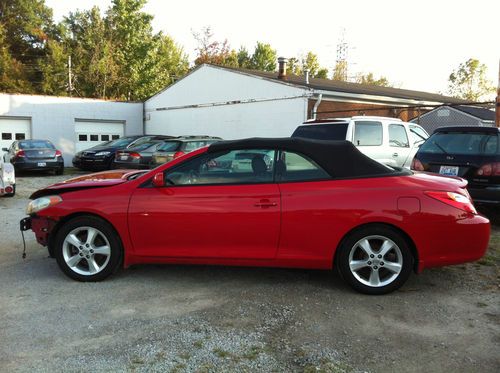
[469, 81]
[27, 26]
[340, 71]
[369, 79]
[244, 58]
[264, 57]
[212, 51]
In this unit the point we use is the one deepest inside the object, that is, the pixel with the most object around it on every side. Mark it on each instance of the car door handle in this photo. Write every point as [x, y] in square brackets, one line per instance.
[265, 204]
[395, 154]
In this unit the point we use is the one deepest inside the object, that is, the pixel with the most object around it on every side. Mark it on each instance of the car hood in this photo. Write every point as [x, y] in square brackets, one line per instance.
[95, 180]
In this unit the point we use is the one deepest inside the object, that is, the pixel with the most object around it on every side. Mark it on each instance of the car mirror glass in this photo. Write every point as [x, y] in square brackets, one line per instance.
[159, 180]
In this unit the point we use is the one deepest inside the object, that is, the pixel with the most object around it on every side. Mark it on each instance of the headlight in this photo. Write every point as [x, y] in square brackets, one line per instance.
[42, 203]
[102, 154]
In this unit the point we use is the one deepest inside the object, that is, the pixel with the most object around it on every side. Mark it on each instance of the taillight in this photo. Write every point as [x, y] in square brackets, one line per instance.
[58, 153]
[20, 154]
[489, 169]
[178, 154]
[456, 200]
[134, 155]
[417, 165]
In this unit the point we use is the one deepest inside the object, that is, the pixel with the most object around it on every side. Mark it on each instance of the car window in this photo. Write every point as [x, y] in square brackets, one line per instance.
[150, 146]
[296, 167]
[169, 146]
[417, 134]
[367, 133]
[235, 167]
[333, 131]
[193, 145]
[397, 136]
[35, 144]
[474, 143]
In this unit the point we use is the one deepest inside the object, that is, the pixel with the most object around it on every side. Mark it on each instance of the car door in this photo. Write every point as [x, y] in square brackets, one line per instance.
[398, 143]
[209, 209]
[369, 138]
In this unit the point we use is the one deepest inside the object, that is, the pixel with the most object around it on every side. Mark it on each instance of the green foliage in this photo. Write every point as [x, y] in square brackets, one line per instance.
[310, 62]
[264, 57]
[116, 56]
[369, 79]
[469, 81]
[213, 52]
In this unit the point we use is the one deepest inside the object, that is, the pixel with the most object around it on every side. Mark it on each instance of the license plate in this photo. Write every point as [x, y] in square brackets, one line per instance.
[448, 170]
[41, 164]
[124, 157]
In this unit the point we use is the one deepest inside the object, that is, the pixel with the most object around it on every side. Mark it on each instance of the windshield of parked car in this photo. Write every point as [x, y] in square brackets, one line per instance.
[169, 146]
[333, 131]
[145, 146]
[121, 142]
[35, 144]
[473, 143]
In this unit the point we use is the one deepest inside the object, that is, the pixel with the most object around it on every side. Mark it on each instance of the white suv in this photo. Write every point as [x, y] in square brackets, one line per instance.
[387, 140]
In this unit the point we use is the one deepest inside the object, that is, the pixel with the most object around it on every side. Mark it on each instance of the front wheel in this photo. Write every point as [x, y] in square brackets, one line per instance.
[87, 248]
[375, 260]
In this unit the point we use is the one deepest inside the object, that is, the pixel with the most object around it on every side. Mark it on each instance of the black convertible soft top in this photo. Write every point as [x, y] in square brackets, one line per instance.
[340, 159]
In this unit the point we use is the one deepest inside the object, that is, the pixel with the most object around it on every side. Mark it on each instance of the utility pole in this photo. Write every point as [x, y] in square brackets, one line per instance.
[497, 107]
[70, 77]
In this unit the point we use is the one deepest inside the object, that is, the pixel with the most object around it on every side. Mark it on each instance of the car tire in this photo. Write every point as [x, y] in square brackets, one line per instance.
[375, 260]
[88, 249]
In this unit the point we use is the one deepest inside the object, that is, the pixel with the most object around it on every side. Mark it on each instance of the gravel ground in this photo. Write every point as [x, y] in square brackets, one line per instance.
[207, 319]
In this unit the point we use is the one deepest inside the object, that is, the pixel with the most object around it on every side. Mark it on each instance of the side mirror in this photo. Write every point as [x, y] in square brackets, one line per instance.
[159, 180]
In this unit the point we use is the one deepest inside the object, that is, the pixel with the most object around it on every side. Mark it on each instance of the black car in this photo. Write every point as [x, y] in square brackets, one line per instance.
[136, 157]
[34, 155]
[101, 157]
[472, 153]
[181, 145]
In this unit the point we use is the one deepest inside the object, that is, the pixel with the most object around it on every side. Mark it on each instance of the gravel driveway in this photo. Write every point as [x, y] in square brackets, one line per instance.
[207, 319]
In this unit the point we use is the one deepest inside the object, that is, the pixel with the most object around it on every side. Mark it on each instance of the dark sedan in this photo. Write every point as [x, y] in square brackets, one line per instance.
[101, 157]
[472, 153]
[34, 155]
[137, 157]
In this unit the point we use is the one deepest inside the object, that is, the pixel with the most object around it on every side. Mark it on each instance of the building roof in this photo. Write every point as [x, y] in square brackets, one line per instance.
[347, 87]
[477, 111]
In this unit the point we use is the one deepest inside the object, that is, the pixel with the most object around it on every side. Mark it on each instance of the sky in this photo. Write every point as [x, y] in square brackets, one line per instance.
[415, 44]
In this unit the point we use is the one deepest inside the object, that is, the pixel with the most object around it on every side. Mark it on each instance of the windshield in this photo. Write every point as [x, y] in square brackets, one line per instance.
[144, 146]
[169, 146]
[121, 142]
[473, 143]
[336, 131]
[35, 144]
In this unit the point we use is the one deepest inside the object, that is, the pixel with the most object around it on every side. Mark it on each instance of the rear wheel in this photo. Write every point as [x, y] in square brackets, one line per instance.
[375, 260]
[87, 249]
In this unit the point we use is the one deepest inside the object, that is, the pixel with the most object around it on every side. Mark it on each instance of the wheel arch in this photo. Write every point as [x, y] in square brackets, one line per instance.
[406, 237]
[69, 217]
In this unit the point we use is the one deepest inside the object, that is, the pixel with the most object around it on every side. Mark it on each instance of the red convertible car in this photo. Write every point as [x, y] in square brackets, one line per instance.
[262, 202]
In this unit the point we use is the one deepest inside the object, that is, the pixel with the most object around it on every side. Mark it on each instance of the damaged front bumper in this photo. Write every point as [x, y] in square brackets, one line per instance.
[41, 226]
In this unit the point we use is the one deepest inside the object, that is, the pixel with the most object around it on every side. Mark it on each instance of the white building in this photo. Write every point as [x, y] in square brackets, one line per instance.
[71, 124]
[211, 100]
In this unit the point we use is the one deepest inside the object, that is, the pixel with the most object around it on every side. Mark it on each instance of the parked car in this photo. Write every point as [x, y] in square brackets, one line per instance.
[7, 180]
[101, 157]
[181, 145]
[387, 140]
[341, 209]
[138, 156]
[472, 153]
[34, 155]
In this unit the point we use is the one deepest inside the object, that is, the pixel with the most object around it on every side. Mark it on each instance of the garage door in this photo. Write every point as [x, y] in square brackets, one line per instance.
[90, 133]
[14, 129]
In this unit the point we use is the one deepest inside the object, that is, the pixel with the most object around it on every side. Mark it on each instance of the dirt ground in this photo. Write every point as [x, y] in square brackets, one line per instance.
[207, 319]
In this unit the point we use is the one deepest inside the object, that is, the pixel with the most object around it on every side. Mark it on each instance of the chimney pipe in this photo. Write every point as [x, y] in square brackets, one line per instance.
[282, 68]
[306, 75]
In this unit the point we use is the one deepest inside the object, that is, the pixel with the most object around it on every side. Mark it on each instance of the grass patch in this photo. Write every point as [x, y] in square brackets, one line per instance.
[492, 257]
[221, 353]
